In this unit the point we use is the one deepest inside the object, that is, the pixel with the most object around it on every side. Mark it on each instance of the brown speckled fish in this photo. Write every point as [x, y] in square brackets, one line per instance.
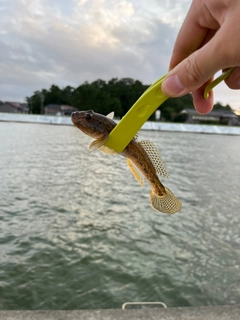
[143, 158]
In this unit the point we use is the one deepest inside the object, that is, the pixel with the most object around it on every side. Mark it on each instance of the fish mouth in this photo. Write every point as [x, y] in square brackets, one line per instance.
[74, 117]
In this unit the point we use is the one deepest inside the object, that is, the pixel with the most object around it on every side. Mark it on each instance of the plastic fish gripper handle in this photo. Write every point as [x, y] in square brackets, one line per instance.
[143, 108]
[134, 119]
[215, 82]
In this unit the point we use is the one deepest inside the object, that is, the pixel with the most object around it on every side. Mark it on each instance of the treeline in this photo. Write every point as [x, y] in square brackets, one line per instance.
[116, 95]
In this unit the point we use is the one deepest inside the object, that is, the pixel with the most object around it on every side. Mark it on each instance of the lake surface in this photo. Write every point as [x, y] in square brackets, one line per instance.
[78, 232]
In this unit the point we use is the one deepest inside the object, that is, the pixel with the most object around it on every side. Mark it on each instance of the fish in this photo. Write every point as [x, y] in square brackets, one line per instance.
[142, 157]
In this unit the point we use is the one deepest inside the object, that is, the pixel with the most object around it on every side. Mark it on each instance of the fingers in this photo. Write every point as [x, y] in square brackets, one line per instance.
[195, 70]
[233, 81]
[201, 104]
[208, 41]
[192, 72]
[187, 42]
[198, 28]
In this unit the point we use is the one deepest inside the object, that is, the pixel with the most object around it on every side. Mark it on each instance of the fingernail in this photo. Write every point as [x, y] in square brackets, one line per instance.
[172, 86]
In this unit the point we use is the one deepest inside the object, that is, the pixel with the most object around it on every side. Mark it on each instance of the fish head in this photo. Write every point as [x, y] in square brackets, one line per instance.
[93, 124]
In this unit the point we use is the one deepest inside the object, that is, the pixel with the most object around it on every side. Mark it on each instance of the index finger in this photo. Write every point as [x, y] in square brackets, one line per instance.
[198, 27]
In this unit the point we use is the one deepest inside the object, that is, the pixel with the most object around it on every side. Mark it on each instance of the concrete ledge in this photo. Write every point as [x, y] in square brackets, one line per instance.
[149, 125]
[201, 313]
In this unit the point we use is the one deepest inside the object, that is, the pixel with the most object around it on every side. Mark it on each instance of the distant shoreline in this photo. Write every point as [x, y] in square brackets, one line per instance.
[149, 125]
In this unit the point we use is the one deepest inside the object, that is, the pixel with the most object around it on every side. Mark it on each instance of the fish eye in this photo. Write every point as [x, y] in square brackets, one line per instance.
[88, 116]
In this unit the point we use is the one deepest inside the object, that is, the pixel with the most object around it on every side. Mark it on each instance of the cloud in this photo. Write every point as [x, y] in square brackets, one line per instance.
[45, 42]
[62, 42]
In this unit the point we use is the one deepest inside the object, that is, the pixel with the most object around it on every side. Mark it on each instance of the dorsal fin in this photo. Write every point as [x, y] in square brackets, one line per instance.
[110, 115]
[136, 172]
[154, 157]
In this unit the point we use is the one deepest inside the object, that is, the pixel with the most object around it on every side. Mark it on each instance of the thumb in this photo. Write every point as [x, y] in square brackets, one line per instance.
[193, 72]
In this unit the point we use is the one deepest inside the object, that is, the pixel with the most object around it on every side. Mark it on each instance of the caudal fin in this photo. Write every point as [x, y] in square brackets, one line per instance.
[167, 203]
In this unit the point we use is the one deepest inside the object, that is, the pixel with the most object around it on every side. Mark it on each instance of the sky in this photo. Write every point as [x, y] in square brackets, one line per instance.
[68, 42]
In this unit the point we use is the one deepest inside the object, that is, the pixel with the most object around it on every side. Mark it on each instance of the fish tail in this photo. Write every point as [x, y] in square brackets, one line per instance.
[166, 203]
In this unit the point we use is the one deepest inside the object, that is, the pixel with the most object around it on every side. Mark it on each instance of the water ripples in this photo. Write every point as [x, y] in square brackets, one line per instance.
[78, 232]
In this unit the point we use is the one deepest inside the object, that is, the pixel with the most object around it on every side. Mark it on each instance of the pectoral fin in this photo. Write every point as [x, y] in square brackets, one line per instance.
[136, 172]
[107, 150]
[96, 144]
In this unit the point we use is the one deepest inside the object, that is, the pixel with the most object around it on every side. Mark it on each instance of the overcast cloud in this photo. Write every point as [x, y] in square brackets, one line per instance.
[45, 42]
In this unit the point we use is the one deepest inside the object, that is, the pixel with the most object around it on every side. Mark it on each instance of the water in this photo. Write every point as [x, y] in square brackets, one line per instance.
[78, 232]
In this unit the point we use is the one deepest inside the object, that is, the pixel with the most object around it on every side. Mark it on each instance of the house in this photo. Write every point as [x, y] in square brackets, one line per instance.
[13, 107]
[25, 108]
[67, 110]
[52, 109]
[219, 116]
[57, 109]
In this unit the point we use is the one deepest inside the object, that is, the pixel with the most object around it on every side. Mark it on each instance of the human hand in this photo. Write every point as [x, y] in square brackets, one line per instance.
[208, 41]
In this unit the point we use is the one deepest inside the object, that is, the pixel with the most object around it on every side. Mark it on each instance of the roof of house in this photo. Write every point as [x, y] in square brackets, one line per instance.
[66, 107]
[53, 106]
[14, 104]
[62, 107]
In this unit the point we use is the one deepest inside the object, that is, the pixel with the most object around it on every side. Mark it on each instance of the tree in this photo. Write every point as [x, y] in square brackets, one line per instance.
[35, 103]
[116, 95]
